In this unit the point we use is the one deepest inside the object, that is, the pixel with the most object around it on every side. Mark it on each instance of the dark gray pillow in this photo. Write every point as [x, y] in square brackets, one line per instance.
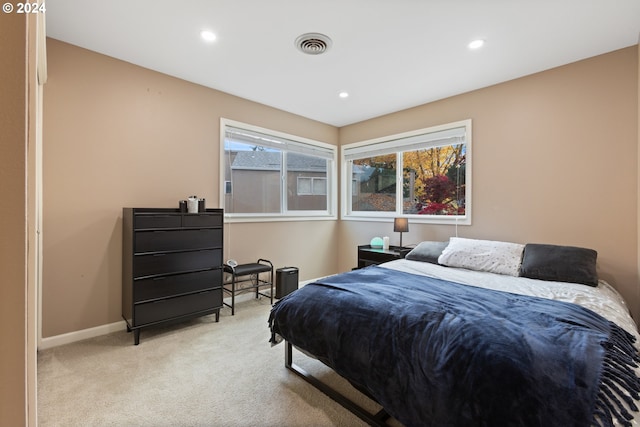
[427, 252]
[559, 264]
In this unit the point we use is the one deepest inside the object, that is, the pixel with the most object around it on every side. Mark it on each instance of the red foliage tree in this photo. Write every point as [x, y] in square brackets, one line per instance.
[439, 189]
[439, 192]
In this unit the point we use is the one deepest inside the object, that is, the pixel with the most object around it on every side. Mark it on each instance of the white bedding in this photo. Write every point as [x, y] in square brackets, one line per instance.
[602, 299]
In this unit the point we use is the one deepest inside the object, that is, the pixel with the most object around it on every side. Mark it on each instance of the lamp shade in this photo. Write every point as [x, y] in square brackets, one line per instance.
[401, 225]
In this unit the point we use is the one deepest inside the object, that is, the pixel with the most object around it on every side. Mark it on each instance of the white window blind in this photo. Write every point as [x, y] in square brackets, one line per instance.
[252, 137]
[409, 143]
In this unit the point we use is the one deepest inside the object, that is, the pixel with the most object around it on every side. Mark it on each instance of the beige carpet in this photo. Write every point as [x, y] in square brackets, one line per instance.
[197, 373]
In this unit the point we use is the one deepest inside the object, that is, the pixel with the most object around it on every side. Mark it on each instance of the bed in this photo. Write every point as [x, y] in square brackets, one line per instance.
[472, 332]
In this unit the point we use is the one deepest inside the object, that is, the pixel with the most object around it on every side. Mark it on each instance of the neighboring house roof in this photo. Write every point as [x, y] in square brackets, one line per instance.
[271, 160]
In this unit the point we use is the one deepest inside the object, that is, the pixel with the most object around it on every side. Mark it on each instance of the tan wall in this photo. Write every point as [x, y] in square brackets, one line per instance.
[118, 135]
[13, 228]
[554, 161]
[17, 288]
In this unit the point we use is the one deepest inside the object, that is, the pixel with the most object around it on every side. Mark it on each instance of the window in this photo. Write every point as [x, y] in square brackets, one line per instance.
[269, 175]
[424, 175]
[308, 186]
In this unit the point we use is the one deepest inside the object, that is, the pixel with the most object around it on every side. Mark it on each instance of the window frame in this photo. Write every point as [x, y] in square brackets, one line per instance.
[399, 141]
[284, 215]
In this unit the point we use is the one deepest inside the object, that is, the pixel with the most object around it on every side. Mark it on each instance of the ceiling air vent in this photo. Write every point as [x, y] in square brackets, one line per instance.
[313, 43]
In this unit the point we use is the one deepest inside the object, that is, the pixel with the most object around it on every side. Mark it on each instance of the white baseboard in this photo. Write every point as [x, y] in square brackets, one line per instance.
[70, 337]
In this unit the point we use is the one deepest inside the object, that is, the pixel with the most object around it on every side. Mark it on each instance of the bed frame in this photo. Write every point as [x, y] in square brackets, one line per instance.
[373, 419]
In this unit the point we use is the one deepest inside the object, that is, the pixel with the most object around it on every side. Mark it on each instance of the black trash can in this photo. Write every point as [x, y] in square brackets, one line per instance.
[286, 281]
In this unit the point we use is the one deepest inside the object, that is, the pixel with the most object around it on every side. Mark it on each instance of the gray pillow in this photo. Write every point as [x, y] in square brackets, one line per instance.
[427, 251]
[559, 264]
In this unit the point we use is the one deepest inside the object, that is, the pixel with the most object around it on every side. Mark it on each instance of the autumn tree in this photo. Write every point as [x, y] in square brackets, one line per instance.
[432, 179]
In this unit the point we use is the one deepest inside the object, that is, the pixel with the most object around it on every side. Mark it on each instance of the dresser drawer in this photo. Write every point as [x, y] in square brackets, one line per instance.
[157, 221]
[167, 240]
[176, 284]
[175, 262]
[169, 308]
[202, 220]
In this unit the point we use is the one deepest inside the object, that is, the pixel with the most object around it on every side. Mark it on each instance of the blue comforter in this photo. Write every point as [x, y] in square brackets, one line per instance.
[437, 353]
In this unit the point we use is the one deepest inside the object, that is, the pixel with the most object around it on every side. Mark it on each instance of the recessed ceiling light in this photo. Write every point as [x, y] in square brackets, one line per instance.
[207, 35]
[476, 44]
[343, 94]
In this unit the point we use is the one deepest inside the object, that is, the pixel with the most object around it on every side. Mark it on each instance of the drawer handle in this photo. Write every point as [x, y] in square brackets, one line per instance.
[158, 278]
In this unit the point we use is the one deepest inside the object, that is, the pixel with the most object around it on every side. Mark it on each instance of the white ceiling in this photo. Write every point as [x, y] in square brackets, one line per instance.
[388, 54]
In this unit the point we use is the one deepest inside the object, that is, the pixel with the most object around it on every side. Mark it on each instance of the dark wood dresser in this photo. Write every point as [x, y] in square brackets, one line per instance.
[171, 266]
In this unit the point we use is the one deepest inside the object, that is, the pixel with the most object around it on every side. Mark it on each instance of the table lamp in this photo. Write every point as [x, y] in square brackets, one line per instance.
[401, 225]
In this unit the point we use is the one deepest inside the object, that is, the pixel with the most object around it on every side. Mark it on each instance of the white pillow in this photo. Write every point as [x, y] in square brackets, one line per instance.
[483, 255]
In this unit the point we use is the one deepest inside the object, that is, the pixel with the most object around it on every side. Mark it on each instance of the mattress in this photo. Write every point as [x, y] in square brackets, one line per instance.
[602, 299]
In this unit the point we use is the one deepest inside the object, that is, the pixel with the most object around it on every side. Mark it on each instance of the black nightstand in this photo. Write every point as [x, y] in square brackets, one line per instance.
[370, 256]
